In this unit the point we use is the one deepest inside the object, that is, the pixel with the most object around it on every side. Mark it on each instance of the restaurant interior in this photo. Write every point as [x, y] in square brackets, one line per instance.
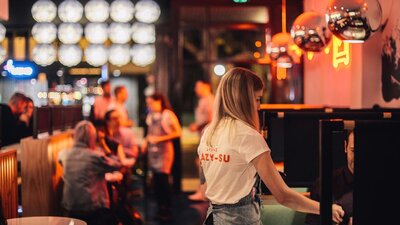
[328, 67]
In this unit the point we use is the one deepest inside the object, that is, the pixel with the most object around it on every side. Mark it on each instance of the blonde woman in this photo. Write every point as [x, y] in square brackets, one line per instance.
[232, 152]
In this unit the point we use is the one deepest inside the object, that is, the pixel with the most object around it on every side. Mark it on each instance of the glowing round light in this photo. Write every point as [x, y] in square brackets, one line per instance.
[143, 55]
[147, 11]
[96, 33]
[219, 70]
[69, 55]
[309, 32]
[122, 11]
[44, 33]
[2, 32]
[116, 73]
[70, 33]
[119, 54]
[143, 33]
[44, 54]
[280, 43]
[3, 54]
[70, 11]
[44, 11]
[353, 20]
[119, 33]
[97, 10]
[96, 55]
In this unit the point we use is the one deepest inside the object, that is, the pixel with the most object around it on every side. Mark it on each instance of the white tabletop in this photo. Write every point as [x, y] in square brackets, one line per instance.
[45, 220]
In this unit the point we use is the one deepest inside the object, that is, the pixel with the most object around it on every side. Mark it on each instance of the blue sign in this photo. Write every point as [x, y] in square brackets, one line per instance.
[20, 69]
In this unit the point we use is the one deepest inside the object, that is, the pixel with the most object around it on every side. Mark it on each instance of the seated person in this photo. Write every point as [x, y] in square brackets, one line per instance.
[342, 186]
[85, 195]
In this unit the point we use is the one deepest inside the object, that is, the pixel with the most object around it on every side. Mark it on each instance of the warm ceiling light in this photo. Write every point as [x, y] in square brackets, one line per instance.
[44, 54]
[2, 32]
[147, 11]
[3, 54]
[353, 20]
[122, 11]
[97, 10]
[119, 54]
[96, 55]
[119, 33]
[70, 11]
[44, 33]
[96, 33]
[143, 55]
[143, 33]
[69, 55]
[44, 11]
[309, 32]
[70, 33]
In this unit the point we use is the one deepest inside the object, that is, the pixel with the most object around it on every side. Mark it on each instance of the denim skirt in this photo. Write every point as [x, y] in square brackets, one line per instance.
[245, 212]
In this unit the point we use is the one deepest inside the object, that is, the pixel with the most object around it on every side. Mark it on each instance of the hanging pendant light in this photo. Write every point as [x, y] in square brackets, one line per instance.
[44, 11]
[281, 42]
[2, 32]
[309, 32]
[353, 20]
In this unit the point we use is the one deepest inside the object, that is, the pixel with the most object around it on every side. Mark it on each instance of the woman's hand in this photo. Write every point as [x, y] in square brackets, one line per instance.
[153, 139]
[337, 213]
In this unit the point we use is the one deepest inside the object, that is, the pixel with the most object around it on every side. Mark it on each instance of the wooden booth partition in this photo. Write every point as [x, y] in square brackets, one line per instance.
[42, 174]
[9, 183]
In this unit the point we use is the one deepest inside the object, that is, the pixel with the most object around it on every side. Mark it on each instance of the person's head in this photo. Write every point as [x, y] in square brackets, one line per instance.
[238, 96]
[121, 93]
[349, 149]
[85, 134]
[18, 103]
[29, 107]
[112, 120]
[202, 88]
[157, 102]
[106, 87]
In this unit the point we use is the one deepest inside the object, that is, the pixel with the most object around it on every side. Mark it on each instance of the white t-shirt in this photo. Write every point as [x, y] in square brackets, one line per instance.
[227, 166]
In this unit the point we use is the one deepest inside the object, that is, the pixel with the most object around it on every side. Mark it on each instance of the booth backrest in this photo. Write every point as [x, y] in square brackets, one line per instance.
[9, 182]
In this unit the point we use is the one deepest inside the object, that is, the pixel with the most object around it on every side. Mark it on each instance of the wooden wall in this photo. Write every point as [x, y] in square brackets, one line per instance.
[41, 174]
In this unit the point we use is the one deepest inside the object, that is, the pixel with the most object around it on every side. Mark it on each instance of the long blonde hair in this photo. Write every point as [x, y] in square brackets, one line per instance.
[234, 99]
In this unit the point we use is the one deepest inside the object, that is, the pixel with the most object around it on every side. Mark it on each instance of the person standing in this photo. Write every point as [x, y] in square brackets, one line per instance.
[203, 116]
[121, 96]
[163, 127]
[101, 104]
[233, 154]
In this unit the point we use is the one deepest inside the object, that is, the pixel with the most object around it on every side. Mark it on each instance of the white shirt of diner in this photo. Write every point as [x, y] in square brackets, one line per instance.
[121, 109]
[227, 166]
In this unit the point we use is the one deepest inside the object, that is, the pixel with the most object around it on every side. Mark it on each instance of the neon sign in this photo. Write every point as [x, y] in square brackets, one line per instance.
[19, 69]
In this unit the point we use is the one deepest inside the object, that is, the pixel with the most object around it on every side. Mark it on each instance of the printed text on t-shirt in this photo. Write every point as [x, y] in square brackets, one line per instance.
[215, 157]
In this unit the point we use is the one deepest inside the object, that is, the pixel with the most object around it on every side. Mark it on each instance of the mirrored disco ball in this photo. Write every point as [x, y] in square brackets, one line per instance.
[353, 20]
[309, 32]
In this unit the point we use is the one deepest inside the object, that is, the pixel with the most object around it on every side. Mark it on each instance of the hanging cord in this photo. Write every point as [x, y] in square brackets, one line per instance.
[284, 16]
